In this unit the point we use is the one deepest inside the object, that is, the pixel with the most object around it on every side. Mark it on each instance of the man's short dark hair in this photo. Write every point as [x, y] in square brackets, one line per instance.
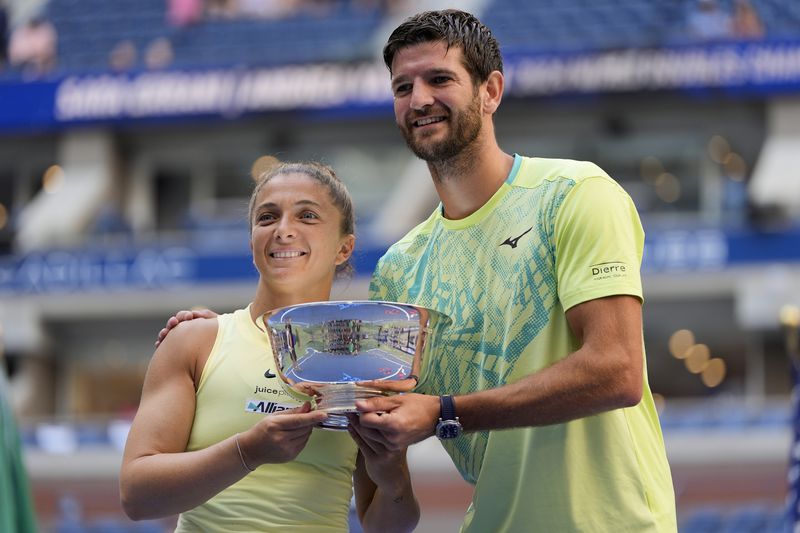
[456, 29]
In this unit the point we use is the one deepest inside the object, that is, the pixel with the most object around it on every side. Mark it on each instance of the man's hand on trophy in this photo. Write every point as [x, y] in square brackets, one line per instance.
[391, 385]
[183, 316]
[400, 420]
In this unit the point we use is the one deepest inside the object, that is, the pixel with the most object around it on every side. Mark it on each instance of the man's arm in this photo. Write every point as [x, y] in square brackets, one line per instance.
[605, 373]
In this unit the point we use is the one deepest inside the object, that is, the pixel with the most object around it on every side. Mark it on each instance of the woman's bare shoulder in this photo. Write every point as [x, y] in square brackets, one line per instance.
[188, 341]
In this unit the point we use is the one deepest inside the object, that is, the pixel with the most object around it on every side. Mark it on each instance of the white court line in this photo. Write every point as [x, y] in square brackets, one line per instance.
[382, 354]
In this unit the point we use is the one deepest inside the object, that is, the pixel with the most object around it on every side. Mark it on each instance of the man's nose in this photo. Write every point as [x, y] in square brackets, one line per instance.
[421, 97]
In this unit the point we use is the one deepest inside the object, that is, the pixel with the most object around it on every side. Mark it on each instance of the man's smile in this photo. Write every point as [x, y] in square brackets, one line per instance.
[427, 120]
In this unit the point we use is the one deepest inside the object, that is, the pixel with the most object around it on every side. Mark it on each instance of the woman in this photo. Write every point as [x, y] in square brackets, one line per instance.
[201, 443]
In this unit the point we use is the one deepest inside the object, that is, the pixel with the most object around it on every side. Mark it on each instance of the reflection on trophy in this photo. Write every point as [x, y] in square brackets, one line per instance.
[327, 350]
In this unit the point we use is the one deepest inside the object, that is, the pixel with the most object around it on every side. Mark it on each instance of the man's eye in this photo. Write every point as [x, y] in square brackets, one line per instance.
[402, 89]
[438, 80]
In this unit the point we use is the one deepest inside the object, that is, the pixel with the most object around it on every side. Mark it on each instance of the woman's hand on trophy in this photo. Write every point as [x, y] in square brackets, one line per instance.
[307, 388]
[182, 316]
[399, 421]
[280, 437]
[385, 466]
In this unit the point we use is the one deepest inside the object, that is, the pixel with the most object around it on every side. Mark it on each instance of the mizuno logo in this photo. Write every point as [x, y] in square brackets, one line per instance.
[513, 241]
[268, 374]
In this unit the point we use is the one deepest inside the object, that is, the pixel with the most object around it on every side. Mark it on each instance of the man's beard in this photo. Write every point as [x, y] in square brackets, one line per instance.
[464, 130]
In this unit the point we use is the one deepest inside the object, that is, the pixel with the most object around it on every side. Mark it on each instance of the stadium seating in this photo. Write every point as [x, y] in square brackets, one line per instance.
[721, 519]
[88, 30]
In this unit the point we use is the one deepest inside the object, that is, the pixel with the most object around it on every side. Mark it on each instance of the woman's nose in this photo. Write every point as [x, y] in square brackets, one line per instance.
[285, 229]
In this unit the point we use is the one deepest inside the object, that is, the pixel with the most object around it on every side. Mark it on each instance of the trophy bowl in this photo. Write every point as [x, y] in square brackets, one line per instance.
[337, 352]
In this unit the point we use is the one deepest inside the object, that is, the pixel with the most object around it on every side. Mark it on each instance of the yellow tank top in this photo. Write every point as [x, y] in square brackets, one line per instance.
[238, 386]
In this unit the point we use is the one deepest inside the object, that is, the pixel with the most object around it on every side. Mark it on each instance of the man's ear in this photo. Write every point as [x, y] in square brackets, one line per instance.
[493, 93]
[346, 248]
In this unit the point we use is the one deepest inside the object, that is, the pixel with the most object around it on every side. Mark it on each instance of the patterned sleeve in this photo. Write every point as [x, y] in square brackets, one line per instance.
[598, 243]
[378, 286]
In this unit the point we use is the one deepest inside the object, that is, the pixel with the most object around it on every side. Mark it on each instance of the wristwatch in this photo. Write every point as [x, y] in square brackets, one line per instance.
[448, 426]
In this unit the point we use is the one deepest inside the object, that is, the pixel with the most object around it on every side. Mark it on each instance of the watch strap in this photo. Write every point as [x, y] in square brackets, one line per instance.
[448, 407]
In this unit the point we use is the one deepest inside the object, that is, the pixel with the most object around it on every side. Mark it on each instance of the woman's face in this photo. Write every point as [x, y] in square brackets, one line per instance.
[296, 238]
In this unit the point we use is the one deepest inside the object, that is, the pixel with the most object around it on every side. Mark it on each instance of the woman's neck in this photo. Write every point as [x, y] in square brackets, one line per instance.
[267, 299]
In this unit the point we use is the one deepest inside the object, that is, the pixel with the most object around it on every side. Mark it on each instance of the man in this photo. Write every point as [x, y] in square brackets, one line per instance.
[536, 263]
[537, 385]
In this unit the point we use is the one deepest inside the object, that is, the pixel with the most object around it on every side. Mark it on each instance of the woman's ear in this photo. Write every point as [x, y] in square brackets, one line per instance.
[346, 247]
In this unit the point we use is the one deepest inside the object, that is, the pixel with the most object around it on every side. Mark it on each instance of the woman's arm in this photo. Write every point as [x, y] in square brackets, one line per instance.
[385, 500]
[158, 477]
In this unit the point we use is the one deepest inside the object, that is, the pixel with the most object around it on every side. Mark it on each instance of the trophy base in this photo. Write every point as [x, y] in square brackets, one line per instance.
[338, 399]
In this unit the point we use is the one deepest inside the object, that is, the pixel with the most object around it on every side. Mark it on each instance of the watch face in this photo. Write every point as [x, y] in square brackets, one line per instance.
[448, 429]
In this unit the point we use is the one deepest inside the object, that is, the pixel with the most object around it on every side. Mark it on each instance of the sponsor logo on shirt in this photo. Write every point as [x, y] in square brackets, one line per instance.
[512, 241]
[267, 390]
[266, 407]
[612, 269]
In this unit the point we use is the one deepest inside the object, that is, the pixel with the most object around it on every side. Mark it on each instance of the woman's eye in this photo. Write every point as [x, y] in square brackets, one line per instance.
[308, 215]
[265, 218]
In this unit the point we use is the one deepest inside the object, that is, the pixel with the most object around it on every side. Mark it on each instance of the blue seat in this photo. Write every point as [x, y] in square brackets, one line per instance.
[706, 519]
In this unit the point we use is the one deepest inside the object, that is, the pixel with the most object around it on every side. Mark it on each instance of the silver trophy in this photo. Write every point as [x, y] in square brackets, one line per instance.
[338, 352]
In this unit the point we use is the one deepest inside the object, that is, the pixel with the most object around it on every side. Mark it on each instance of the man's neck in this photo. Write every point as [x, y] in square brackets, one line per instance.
[466, 182]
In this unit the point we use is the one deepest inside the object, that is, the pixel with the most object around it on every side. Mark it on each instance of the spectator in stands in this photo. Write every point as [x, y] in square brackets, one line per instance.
[201, 446]
[267, 9]
[746, 22]
[709, 22]
[224, 9]
[33, 47]
[123, 56]
[182, 13]
[159, 54]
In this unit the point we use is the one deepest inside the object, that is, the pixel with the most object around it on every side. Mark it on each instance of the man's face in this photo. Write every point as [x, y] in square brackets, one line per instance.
[436, 105]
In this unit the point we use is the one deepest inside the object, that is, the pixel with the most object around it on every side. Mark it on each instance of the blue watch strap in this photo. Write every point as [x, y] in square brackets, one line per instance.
[448, 407]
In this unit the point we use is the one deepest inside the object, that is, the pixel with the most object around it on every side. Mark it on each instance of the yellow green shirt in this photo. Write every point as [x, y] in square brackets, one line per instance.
[238, 386]
[557, 233]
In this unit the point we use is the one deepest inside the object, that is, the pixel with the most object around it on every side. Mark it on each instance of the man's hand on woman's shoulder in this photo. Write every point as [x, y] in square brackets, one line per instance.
[183, 316]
